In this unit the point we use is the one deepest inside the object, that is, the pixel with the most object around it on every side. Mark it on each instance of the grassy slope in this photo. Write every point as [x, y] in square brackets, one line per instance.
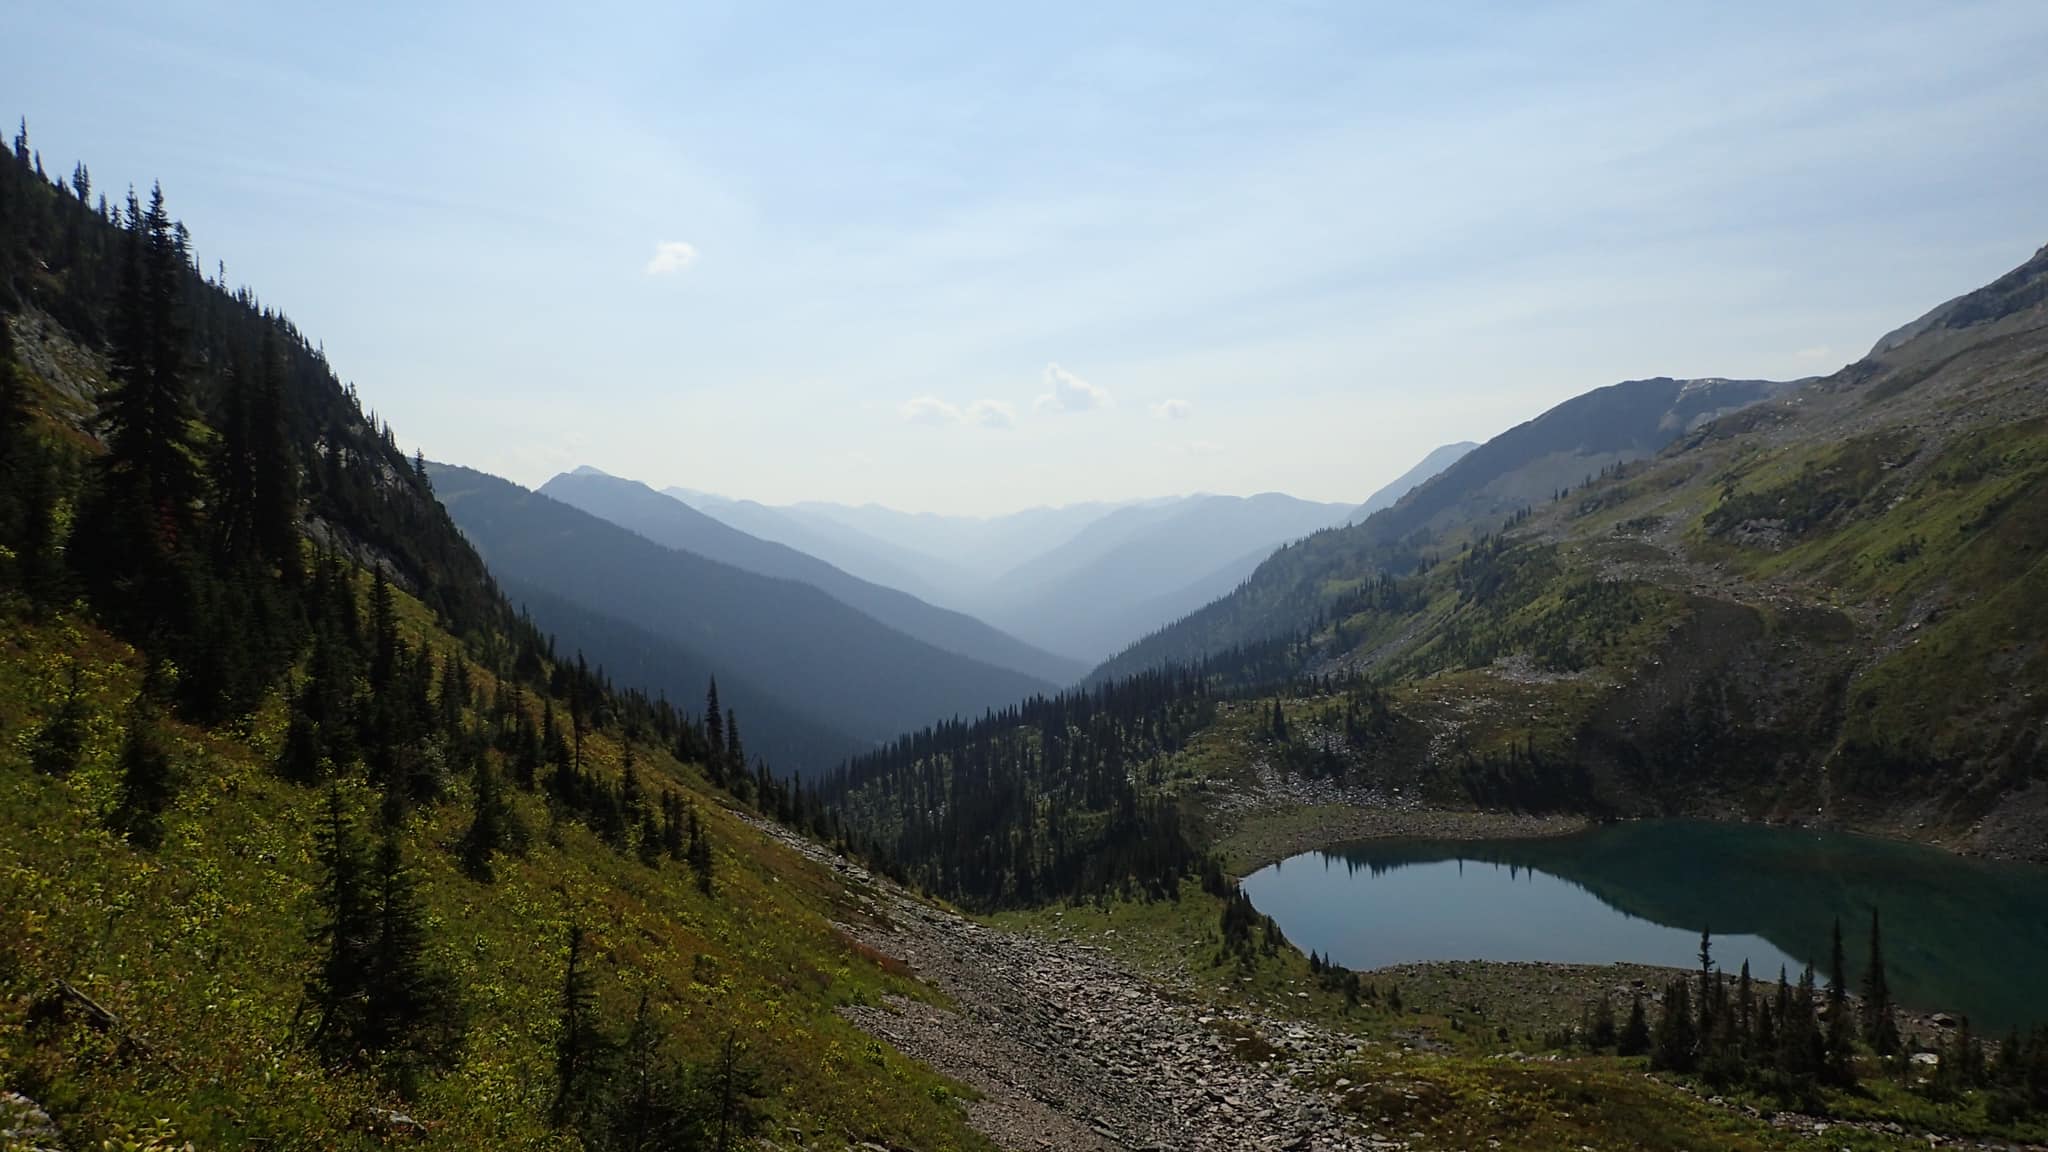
[201, 948]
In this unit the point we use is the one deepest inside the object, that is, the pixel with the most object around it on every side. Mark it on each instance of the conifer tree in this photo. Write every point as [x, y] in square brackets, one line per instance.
[1635, 1035]
[580, 1047]
[700, 857]
[714, 729]
[274, 512]
[651, 1106]
[488, 824]
[137, 522]
[735, 1087]
[1675, 1047]
[344, 930]
[1880, 1031]
[1841, 1064]
[735, 754]
[410, 1009]
[60, 741]
[146, 774]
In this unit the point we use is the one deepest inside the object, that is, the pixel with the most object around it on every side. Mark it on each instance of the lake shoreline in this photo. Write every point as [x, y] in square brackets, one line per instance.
[1261, 836]
[1535, 997]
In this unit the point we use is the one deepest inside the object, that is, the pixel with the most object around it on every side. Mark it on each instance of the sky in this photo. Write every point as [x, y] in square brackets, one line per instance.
[970, 258]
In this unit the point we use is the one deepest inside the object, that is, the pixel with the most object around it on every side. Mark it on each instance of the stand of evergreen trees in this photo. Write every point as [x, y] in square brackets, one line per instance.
[232, 511]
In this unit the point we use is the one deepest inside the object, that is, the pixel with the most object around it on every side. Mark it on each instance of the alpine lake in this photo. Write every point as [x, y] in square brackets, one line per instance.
[1960, 935]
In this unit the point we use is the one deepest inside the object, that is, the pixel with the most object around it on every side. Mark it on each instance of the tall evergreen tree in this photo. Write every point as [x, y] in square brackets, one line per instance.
[142, 511]
[489, 823]
[1675, 1046]
[1635, 1035]
[699, 852]
[580, 1047]
[146, 774]
[338, 990]
[1841, 1061]
[410, 1011]
[1880, 1030]
[714, 727]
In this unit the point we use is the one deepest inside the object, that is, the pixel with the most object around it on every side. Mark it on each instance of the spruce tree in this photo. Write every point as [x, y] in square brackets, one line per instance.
[146, 775]
[346, 925]
[1675, 1047]
[410, 1010]
[142, 510]
[650, 1107]
[1880, 1031]
[580, 1047]
[488, 822]
[60, 741]
[735, 754]
[1635, 1035]
[274, 512]
[714, 728]
[735, 1088]
[700, 852]
[1841, 1058]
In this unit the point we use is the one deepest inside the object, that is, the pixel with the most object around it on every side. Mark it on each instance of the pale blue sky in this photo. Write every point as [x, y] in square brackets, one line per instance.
[1267, 246]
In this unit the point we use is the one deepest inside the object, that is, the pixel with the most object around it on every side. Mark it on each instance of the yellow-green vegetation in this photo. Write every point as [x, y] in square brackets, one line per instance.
[201, 949]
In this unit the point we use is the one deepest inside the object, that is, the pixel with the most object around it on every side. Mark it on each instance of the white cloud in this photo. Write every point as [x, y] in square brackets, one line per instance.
[1175, 409]
[1203, 448]
[933, 410]
[929, 410]
[671, 257]
[991, 414]
[1070, 393]
[1817, 352]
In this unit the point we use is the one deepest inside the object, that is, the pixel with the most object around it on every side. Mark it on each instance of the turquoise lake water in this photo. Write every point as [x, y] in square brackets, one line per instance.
[1960, 935]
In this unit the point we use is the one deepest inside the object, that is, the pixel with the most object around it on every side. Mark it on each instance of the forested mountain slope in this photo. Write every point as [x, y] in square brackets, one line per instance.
[674, 524]
[311, 840]
[1829, 603]
[1528, 464]
[836, 665]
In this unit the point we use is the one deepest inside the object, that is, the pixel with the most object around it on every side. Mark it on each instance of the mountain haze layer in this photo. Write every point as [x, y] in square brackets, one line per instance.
[842, 668]
[674, 524]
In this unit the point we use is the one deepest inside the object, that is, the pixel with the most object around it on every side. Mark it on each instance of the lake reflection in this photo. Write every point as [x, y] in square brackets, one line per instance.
[1961, 935]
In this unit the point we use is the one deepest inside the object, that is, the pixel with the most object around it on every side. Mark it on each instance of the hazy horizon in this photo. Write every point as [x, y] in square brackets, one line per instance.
[969, 261]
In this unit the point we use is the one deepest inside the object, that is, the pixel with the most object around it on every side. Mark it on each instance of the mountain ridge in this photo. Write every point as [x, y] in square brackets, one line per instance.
[674, 524]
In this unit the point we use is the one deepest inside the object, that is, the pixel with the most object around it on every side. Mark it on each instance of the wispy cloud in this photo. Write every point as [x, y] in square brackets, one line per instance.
[671, 257]
[1174, 409]
[1202, 448]
[1817, 352]
[929, 410]
[991, 414]
[1070, 393]
[981, 413]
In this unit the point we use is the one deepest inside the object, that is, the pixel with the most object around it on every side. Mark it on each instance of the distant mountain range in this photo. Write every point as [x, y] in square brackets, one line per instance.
[674, 524]
[1080, 581]
[835, 668]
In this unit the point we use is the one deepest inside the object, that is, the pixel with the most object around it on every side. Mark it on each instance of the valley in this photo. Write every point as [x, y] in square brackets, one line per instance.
[358, 798]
